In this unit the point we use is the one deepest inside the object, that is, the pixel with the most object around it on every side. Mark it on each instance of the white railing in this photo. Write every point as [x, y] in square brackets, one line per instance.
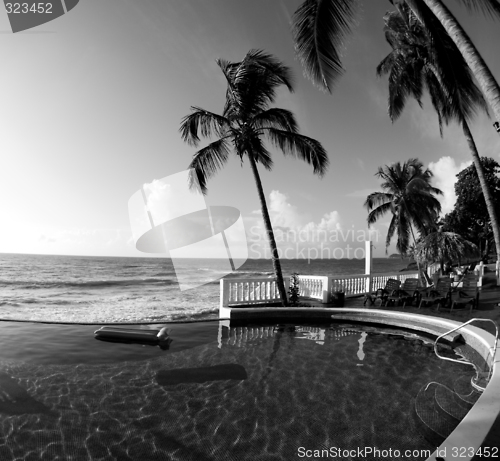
[358, 285]
[314, 286]
[236, 292]
[249, 291]
[351, 285]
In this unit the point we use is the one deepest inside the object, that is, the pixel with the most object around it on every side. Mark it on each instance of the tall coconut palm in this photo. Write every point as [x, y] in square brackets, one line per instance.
[245, 122]
[319, 27]
[416, 62]
[410, 197]
[482, 73]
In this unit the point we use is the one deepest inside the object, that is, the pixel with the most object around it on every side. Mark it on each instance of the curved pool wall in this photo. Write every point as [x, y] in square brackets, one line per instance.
[479, 428]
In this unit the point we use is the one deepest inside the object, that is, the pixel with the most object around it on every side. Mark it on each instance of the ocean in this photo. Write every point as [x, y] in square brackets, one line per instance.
[96, 289]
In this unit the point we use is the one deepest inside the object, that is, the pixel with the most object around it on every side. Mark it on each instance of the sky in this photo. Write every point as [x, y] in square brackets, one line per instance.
[92, 103]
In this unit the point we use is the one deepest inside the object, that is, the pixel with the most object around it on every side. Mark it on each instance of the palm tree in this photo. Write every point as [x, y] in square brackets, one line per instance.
[409, 196]
[319, 27]
[440, 246]
[416, 62]
[482, 73]
[245, 121]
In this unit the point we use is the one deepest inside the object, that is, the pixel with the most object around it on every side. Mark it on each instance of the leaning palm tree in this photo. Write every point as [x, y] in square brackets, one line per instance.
[245, 121]
[319, 27]
[410, 197]
[417, 62]
[436, 9]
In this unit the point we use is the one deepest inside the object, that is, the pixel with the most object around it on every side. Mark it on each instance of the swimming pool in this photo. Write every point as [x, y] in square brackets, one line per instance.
[261, 391]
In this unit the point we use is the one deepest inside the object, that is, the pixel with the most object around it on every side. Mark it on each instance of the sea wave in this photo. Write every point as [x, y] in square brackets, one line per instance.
[30, 285]
[250, 274]
[9, 303]
[196, 315]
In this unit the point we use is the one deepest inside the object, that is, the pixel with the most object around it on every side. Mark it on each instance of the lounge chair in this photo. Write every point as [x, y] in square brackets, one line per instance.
[467, 294]
[405, 294]
[440, 293]
[467, 277]
[382, 293]
[426, 279]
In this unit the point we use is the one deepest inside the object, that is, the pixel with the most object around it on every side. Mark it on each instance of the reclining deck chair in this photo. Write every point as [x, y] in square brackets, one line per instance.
[406, 293]
[382, 293]
[468, 293]
[440, 293]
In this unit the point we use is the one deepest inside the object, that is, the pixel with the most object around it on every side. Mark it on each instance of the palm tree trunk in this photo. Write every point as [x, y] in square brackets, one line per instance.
[484, 185]
[418, 264]
[482, 73]
[270, 233]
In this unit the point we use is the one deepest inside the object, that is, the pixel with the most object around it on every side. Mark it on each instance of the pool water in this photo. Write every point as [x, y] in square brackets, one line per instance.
[71, 344]
[257, 392]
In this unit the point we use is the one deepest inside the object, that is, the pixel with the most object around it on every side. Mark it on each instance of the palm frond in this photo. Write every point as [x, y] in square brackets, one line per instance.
[252, 83]
[425, 55]
[269, 67]
[444, 246]
[209, 160]
[488, 7]
[319, 27]
[261, 154]
[204, 123]
[378, 212]
[377, 198]
[275, 118]
[390, 232]
[302, 147]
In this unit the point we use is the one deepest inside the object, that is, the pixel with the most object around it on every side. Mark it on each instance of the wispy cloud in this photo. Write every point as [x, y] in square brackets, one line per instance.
[326, 238]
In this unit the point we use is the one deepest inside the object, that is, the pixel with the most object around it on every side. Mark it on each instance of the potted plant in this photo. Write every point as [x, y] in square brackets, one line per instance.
[338, 296]
[294, 290]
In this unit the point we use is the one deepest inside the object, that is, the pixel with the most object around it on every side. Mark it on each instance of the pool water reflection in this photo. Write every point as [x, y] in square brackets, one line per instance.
[252, 392]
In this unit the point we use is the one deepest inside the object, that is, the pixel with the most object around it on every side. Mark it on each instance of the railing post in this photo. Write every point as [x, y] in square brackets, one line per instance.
[326, 290]
[224, 311]
[497, 271]
[368, 265]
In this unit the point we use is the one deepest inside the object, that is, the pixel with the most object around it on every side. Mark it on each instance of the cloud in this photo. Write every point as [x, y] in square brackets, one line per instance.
[298, 238]
[445, 171]
[44, 238]
[282, 212]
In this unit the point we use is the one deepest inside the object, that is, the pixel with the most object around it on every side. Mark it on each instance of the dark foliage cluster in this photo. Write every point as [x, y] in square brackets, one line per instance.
[470, 216]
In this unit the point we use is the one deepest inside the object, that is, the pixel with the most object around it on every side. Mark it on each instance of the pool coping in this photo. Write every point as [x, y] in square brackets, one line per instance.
[473, 430]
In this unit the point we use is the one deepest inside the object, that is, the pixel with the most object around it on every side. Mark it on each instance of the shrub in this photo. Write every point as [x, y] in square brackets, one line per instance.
[293, 291]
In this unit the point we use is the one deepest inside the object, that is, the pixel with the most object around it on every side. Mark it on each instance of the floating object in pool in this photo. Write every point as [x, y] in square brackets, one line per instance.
[15, 400]
[163, 334]
[134, 335]
[201, 374]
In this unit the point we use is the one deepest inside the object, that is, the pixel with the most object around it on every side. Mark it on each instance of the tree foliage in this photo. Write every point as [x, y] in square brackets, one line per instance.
[409, 196]
[245, 124]
[470, 217]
